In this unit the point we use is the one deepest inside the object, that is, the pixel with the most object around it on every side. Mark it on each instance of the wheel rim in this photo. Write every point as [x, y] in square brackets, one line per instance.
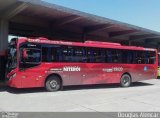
[126, 80]
[53, 84]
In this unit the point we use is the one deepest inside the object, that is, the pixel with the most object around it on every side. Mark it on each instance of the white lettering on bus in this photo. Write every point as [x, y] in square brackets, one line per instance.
[108, 70]
[113, 69]
[48, 41]
[71, 68]
[55, 69]
[117, 69]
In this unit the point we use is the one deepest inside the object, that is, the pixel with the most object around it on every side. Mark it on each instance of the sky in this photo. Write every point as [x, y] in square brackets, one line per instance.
[143, 13]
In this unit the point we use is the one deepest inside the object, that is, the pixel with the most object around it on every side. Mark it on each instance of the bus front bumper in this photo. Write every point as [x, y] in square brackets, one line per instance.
[13, 83]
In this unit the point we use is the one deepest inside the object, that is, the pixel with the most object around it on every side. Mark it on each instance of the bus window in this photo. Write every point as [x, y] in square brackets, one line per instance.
[96, 55]
[145, 57]
[114, 56]
[130, 57]
[90, 56]
[33, 56]
[49, 53]
[70, 54]
[138, 57]
[79, 55]
[151, 57]
[58, 55]
[102, 56]
[109, 56]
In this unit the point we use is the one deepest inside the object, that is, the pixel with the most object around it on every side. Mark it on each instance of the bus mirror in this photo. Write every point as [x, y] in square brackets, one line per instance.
[24, 53]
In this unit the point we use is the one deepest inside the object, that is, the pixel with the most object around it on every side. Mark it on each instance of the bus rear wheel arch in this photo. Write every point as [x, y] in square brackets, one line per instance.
[53, 83]
[125, 80]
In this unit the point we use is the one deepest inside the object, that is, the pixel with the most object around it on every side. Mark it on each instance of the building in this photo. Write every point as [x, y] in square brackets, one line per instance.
[37, 18]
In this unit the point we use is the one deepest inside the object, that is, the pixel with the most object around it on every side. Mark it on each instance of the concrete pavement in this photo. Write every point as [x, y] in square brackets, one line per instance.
[142, 96]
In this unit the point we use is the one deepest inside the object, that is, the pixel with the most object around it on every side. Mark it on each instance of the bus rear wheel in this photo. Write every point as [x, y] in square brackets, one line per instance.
[125, 80]
[53, 84]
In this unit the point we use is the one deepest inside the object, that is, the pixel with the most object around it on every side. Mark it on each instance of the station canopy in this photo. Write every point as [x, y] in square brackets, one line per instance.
[35, 18]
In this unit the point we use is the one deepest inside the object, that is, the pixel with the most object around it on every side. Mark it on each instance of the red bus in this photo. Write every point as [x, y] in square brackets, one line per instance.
[53, 64]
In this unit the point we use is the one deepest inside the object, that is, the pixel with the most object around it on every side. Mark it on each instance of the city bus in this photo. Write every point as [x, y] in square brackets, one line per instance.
[39, 62]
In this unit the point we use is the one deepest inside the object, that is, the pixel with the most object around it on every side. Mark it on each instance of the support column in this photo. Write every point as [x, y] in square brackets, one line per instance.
[3, 35]
[3, 47]
[84, 37]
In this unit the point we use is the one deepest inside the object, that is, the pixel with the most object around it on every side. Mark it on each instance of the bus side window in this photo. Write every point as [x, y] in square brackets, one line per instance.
[70, 56]
[84, 55]
[49, 50]
[114, 56]
[79, 55]
[118, 56]
[109, 56]
[140, 57]
[129, 57]
[59, 55]
[136, 58]
[146, 61]
[45, 54]
[151, 57]
[65, 54]
[90, 55]
[102, 55]
[124, 56]
[48, 54]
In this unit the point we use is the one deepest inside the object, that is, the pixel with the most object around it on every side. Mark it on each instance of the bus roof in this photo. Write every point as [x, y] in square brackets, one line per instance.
[85, 44]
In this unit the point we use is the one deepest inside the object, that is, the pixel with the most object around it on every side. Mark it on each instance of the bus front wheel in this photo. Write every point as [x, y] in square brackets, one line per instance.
[125, 80]
[53, 84]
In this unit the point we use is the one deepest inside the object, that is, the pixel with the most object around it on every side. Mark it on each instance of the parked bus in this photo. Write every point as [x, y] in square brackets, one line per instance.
[53, 64]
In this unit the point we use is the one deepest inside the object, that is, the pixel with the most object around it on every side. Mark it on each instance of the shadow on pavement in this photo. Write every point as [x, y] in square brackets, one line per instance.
[138, 84]
[101, 86]
[21, 91]
[69, 88]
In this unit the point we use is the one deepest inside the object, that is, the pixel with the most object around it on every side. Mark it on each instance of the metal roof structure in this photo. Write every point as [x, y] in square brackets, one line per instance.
[39, 18]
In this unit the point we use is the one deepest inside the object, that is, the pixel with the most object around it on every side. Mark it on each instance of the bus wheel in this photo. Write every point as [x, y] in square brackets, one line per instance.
[125, 80]
[53, 84]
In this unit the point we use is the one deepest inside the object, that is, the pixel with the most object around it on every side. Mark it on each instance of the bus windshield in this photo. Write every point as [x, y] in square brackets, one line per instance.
[12, 57]
[32, 56]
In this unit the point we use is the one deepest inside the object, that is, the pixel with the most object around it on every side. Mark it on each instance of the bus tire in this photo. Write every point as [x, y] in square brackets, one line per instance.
[53, 84]
[125, 80]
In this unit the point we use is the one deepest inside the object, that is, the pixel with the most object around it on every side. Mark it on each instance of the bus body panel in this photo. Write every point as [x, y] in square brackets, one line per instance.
[88, 74]
[80, 73]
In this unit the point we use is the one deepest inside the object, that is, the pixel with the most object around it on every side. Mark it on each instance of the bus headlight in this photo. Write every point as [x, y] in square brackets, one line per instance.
[12, 76]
